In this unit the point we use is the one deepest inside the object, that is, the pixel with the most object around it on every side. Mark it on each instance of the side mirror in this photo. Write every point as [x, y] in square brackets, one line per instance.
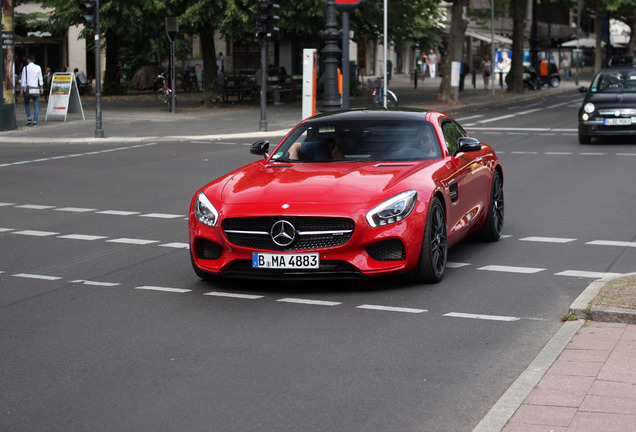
[468, 144]
[260, 148]
[582, 89]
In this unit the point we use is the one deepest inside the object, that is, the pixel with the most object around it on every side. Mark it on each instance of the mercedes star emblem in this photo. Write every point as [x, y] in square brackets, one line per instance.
[283, 233]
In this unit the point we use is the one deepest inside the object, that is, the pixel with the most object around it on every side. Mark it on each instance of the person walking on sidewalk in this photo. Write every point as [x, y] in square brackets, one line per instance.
[432, 63]
[32, 86]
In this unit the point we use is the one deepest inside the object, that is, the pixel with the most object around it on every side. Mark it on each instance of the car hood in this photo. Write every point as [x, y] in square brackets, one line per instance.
[334, 182]
[612, 100]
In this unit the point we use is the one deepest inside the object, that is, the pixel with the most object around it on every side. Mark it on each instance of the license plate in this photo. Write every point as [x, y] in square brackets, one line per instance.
[617, 121]
[285, 261]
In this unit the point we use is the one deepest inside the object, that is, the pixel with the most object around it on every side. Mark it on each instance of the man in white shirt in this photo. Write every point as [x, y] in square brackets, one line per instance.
[432, 63]
[32, 87]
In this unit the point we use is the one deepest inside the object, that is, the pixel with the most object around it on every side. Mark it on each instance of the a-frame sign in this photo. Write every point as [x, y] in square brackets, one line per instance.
[64, 96]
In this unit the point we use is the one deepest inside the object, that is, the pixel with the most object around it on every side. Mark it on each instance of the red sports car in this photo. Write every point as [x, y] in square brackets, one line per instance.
[350, 194]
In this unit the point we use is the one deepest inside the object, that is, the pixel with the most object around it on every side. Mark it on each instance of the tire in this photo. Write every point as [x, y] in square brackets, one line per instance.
[391, 99]
[584, 139]
[433, 257]
[493, 226]
[554, 82]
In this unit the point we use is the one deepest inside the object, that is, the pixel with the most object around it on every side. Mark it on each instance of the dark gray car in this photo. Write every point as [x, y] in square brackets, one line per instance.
[609, 105]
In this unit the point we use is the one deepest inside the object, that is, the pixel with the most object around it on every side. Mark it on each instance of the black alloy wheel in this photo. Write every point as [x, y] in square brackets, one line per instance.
[432, 264]
[493, 226]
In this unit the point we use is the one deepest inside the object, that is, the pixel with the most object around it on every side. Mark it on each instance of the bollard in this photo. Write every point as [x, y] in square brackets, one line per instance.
[415, 78]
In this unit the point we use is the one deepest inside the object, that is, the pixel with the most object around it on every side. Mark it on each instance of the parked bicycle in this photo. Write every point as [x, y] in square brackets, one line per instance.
[189, 80]
[378, 95]
[164, 90]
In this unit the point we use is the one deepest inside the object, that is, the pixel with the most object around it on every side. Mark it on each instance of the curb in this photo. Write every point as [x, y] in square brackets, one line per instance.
[582, 310]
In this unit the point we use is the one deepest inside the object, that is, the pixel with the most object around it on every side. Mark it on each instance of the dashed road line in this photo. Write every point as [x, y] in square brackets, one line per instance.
[82, 237]
[234, 295]
[95, 283]
[176, 245]
[588, 274]
[512, 269]
[132, 241]
[391, 309]
[481, 317]
[37, 276]
[163, 289]
[612, 243]
[35, 233]
[161, 215]
[75, 209]
[34, 207]
[309, 302]
[547, 239]
[118, 212]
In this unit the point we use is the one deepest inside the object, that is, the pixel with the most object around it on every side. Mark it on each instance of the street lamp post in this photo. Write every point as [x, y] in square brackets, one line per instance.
[331, 35]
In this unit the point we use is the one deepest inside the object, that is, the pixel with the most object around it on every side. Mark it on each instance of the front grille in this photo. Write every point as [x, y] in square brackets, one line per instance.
[311, 232]
[388, 250]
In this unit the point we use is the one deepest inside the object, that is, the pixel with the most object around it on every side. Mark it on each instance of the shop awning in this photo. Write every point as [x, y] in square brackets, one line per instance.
[487, 37]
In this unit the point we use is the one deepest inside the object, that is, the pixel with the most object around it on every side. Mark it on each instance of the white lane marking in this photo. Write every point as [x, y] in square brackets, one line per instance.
[161, 215]
[530, 111]
[36, 276]
[469, 117]
[162, 289]
[548, 239]
[625, 154]
[34, 207]
[82, 237]
[309, 302]
[176, 245]
[456, 264]
[503, 117]
[589, 274]
[391, 309]
[118, 212]
[511, 269]
[559, 153]
[95, 283]
[35, 233]
[125, 240]
[233, 295]
[524, 152]
[6, 229]
[75, 209]
[593, 154]
[481, 317]
[612, 243]
[559, 105]
[3, 204]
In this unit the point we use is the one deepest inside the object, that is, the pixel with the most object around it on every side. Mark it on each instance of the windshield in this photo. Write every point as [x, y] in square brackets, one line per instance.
[614, 82]
[377, 141]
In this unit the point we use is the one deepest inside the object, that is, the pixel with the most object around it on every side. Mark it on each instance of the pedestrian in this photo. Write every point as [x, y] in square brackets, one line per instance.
[221, 62]
[423, 63]
[485, 71]
[32, 86]
[463, 71]
[565, 65]
[48, 76]
[432, 63]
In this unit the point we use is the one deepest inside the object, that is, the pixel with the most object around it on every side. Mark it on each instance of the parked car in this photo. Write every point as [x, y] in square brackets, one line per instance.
[609, 105]
[350, 194]
[622, 61]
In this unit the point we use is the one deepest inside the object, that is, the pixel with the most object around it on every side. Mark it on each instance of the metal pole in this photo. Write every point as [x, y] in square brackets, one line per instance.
[331, 54]
[345, 61]
[578, 48]
[99, 132]
[384, 93]
[173, 80]
[492, 45]
[262, 126]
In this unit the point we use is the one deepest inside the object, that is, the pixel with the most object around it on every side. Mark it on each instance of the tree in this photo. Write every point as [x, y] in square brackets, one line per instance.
[448, 93]
[515, 77]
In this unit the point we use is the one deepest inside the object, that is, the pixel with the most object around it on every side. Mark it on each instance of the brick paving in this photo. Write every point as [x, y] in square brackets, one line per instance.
[591, 387]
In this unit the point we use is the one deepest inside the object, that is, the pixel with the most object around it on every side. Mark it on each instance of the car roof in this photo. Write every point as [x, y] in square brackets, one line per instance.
[372, 114]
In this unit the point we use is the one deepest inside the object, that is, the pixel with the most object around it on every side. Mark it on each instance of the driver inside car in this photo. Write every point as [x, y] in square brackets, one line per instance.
[323, 149]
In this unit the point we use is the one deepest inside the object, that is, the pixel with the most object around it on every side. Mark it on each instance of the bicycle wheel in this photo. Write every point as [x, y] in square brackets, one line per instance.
[391, 99]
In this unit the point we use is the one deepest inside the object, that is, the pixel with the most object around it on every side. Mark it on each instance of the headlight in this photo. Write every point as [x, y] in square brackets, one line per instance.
[589, 108]
[205, 211]
[392, 210]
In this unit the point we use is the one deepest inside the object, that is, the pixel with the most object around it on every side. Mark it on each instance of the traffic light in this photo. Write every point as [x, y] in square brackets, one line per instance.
[267, 20]
[88, 13]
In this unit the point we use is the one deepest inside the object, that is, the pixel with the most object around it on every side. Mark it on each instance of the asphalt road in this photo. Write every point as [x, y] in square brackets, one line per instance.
[104, 326]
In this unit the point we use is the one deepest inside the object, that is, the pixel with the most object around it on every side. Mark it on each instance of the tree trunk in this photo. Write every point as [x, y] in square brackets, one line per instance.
[631, 21]
[598, 29]
[111, 74]
[210, 87]
[515, 77]
[448, 93]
